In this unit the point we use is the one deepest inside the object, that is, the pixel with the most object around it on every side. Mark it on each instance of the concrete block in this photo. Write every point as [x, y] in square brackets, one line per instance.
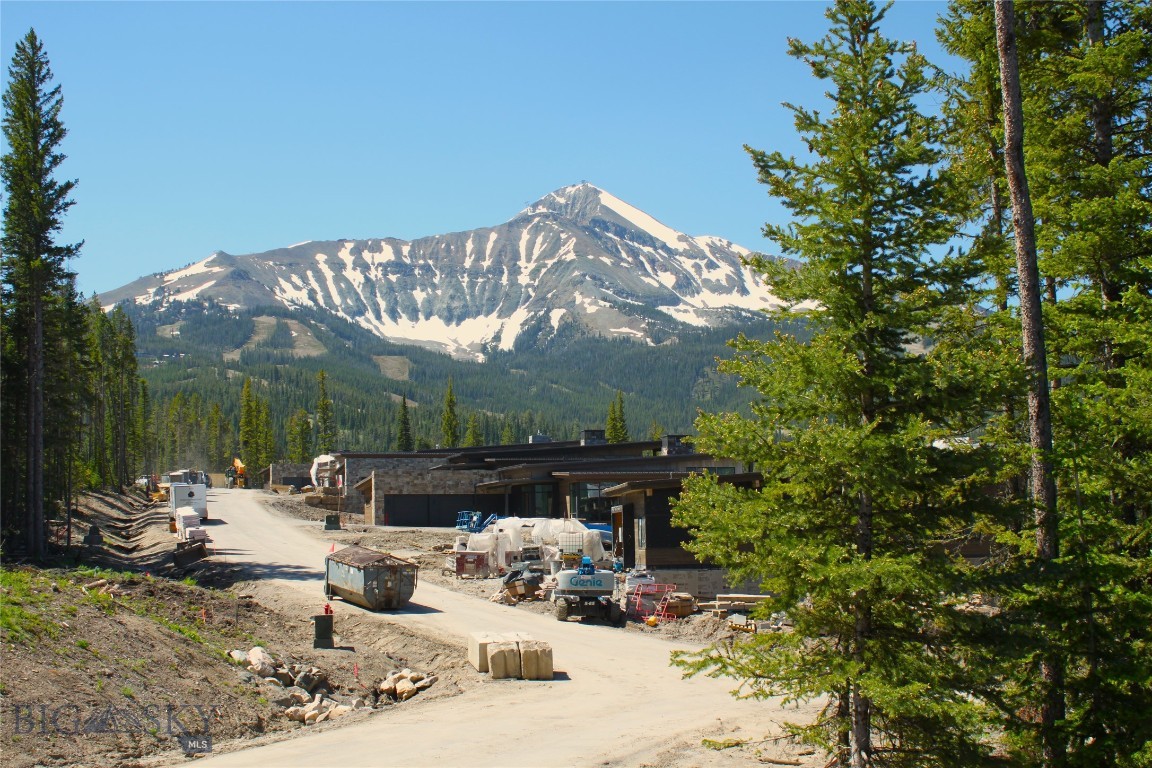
[478, 649]
[504, 660]
[535, 660]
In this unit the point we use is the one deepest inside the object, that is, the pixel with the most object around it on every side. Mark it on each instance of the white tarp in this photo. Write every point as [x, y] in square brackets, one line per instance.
[323, 464]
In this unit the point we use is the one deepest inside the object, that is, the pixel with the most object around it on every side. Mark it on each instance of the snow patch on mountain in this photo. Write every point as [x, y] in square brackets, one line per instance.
[577, 255]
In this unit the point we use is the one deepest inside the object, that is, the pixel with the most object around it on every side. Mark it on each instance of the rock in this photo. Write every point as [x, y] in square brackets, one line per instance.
[405, 689]
[388, 688]
[311, 679]
[311, 717]
[238, 656]
[260, 662]
[416, 676]
[284, 677]
[295, 713]
[299, 695]
[426, 682]
[338, 711]
[359, 703]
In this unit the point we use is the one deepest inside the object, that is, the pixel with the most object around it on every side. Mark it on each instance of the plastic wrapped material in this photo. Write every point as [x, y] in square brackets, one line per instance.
[503, 549]
[547, 531]
[482, 542]
[593, 545]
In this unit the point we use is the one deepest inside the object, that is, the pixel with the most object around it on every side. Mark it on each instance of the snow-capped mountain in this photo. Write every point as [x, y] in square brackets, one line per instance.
[578, 255]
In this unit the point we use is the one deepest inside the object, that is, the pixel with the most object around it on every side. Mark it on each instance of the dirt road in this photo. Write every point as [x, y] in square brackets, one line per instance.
[615, 700]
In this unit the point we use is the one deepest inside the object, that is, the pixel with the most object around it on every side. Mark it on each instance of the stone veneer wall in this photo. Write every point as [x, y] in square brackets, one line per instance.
[407, 476]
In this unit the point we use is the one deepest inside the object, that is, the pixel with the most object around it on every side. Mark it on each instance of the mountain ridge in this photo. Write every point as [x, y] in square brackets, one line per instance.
[577, 260]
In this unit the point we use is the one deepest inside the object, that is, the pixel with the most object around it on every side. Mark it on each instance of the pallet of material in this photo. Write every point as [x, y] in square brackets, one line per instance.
[724, 604]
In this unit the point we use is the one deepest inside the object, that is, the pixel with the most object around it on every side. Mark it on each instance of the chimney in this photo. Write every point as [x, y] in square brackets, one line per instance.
[593, 437]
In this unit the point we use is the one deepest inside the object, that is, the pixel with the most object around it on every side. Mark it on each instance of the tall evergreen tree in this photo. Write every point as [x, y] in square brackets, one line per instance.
[404, 441]
[473, 437]
[249, 426]
[326, 430]
[35, 283]
[1086, 91]
[449, 421]
[860, 438]
[507, 433]
[616, 428]
[300, 437]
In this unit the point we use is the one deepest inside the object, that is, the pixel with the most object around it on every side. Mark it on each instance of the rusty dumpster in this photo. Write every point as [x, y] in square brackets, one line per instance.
[374, 580]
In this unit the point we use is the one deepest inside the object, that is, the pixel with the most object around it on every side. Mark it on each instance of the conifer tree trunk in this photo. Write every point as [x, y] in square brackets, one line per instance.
[35, 514]
[1035, 358]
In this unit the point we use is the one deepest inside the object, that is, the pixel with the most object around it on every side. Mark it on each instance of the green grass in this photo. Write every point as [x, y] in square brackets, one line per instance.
[20, 599]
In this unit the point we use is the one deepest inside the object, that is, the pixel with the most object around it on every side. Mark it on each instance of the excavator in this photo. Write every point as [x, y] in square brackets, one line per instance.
[237, 478]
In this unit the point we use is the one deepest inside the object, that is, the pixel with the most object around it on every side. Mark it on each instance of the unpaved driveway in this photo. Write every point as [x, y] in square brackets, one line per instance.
[615, 700]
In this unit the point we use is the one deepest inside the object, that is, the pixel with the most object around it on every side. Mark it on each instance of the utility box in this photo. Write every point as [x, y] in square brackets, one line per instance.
[374, 580]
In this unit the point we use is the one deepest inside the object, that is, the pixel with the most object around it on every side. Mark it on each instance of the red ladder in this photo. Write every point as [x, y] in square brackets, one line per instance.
[658, 595]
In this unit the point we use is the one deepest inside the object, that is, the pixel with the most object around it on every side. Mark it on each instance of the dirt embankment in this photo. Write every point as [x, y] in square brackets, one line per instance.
[108, 662]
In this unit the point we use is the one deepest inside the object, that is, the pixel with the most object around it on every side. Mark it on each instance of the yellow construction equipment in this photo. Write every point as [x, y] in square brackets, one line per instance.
[235, 474]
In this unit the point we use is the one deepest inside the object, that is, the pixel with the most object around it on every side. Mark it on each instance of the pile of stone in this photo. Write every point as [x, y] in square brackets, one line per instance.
[307, 697]
[325, 498]
[404, 684]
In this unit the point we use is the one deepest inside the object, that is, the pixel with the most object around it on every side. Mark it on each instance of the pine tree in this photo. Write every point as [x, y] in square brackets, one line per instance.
[507, 433]
[616, 427]
[326, 431]
[473, 438]
[249, 426]
[37, 288]
[449, 421]
[300, 437]
[862, 441]
[404, 441]
[1085, 72]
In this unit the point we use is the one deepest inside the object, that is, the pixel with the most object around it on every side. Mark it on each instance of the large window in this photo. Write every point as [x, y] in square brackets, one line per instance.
[587, 503]
[535, 500]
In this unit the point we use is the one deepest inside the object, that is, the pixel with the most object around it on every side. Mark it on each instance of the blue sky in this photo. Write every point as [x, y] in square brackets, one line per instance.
[243, 127]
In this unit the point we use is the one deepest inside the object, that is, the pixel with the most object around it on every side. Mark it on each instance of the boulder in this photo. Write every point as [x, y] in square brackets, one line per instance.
[260, 662]
[405, 689]
[238, 656]
[338, 711]
[295, 713]
[388, 688]
[425, 682]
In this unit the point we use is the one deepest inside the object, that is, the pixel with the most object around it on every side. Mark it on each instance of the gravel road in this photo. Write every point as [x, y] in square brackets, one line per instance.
[615, 700]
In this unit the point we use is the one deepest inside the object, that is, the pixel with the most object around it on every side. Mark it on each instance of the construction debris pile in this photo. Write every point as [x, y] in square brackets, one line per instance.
[515, 543]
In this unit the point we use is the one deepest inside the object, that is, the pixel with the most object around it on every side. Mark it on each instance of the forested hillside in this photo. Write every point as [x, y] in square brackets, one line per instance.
[194, 357]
